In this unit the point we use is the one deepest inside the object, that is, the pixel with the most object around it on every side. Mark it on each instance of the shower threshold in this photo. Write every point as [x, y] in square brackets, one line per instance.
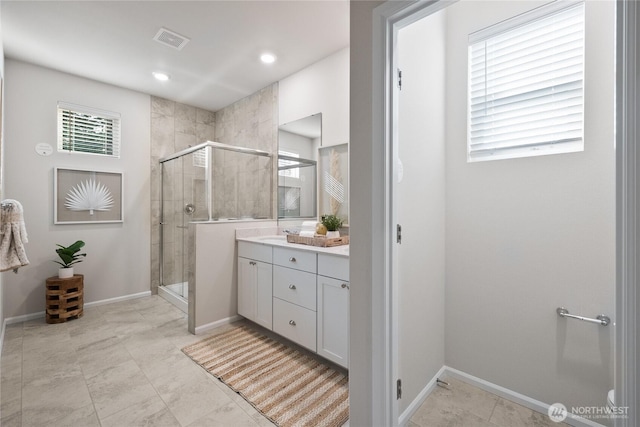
[169, 293]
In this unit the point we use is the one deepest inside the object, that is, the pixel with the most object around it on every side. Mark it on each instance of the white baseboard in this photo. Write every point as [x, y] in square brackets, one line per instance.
[419, 400]
[118, 299]
[217, 324]
[40, 314]
[516, 397]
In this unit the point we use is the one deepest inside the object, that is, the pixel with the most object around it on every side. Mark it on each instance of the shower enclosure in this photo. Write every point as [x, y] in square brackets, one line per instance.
[207, 183]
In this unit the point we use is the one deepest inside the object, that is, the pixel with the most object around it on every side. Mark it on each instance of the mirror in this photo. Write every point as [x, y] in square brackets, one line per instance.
[298, 144]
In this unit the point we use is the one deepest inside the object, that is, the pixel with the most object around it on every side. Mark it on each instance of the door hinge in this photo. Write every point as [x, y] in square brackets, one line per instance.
[399, 79]
[398, 233]
[399, 389]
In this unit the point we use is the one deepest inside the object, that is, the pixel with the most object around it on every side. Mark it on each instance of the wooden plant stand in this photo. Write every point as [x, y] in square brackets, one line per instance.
[65, 298]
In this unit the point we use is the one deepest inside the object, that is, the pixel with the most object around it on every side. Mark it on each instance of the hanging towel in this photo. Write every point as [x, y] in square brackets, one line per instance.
[13, 236]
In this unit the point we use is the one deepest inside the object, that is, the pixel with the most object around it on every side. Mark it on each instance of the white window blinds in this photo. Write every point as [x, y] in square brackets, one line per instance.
[526, 84]
[87, 130]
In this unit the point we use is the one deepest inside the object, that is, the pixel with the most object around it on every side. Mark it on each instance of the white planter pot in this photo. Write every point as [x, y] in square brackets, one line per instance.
[65, 273]
[333, 234]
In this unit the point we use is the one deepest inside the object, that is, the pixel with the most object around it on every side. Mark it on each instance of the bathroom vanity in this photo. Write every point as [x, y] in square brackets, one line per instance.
[300, 292]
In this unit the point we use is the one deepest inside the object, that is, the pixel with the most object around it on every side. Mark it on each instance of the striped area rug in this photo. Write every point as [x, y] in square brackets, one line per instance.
[288, 387]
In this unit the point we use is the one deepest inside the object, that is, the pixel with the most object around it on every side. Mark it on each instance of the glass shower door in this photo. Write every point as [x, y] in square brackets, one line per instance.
[175, 220]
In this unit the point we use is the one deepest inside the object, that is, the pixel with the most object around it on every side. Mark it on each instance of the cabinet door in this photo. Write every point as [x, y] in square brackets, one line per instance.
[333, 320]
[264, 293]
[247, 288]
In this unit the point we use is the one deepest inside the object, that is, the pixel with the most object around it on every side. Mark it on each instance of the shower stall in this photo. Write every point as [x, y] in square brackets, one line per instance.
[210, 182]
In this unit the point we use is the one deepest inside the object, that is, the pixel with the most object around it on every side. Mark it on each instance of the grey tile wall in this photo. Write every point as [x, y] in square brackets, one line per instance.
[241, 185]
[174, 127]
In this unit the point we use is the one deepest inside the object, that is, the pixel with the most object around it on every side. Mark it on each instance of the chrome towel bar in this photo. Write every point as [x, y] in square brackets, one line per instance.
[601, 319]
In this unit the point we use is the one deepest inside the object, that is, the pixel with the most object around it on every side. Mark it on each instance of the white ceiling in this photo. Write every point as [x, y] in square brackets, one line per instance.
[112, 42]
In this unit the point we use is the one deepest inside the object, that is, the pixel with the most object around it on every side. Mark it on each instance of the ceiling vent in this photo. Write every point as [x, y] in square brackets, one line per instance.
[171, 39]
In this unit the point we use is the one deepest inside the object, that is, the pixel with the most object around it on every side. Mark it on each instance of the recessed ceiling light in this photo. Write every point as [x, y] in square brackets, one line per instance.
[268, 58]
[163, 77]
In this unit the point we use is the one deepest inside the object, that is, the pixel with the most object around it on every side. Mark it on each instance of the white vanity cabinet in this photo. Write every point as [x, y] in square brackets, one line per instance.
[301, 294]
[255, 283]
[294, 295]
[333, 309]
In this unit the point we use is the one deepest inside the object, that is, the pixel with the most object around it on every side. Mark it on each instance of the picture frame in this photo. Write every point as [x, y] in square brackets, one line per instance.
[85, 196]
[333, 194]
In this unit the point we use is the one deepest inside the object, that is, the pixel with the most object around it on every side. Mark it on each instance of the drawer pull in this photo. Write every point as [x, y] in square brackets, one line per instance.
[292, 322]
[344, 286]
[292, 259]
[292, 287]
[252, 263]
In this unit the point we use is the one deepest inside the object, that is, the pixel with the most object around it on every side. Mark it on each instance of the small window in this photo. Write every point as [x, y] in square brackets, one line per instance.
[286, 167]
[526, 85]
[87, 130]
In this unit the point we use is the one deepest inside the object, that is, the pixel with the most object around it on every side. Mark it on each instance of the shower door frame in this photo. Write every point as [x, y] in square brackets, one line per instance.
[208, 181]
[388, 18]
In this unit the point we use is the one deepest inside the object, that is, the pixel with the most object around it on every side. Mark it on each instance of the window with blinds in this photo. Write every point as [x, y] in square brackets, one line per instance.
[87, 130]
[526, 85]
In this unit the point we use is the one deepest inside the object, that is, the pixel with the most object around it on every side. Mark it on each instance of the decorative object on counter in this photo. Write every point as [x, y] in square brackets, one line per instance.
[308, 229]
[65, 298]
[286, 385]
[14, 236]
[333, 224]
[87, 196]
[322, 241]
[69, 256]
[321, 229]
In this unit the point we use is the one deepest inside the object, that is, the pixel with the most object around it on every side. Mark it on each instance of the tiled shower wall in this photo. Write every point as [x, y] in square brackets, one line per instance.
[241, 185]
[174, 127]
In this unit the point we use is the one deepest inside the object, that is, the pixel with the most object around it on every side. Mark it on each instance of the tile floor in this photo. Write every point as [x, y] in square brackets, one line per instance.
[120, 365]
[463, 405]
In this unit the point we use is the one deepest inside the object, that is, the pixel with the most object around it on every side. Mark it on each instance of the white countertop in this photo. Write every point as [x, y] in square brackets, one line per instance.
[281, 240]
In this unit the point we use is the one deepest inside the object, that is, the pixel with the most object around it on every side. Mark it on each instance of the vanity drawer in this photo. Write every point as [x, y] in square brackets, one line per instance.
[255, 251]
[333, 266]
[292, 258]
[295, 323]
[298, 287]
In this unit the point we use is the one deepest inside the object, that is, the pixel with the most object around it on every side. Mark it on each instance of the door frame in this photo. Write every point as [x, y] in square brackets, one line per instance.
[388, 18]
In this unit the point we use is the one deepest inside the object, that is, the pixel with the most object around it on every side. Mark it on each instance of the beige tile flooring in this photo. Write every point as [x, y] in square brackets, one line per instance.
[463, 405]
[120, 365]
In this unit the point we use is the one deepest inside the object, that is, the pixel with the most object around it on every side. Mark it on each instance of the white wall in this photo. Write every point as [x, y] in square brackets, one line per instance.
[117, 263]
[365, 162]
[525, 236]
[322, 87]
[213, 290]
[1, 169]
[420, 205]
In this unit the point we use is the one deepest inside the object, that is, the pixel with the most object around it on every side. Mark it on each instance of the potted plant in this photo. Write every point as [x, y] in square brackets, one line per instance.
[333, 224]
[69, 256]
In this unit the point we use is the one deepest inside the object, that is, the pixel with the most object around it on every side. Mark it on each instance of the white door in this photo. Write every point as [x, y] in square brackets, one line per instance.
[333, 320]
[247, 288]
[264, 294]
[419, 206]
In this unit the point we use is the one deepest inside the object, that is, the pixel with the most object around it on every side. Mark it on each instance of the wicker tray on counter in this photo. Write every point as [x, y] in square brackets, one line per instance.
[323, 242]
